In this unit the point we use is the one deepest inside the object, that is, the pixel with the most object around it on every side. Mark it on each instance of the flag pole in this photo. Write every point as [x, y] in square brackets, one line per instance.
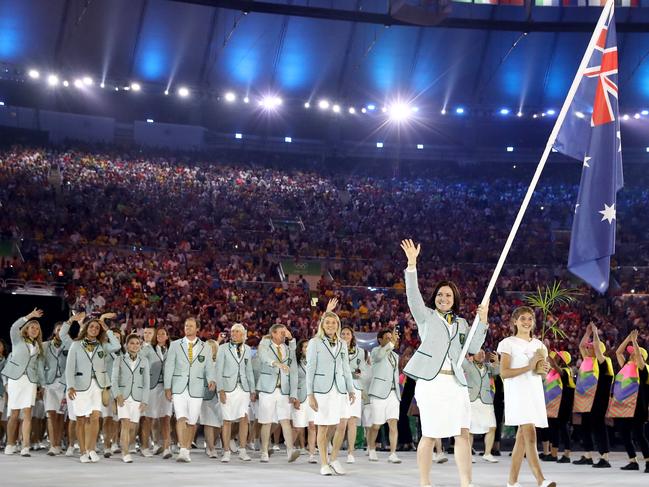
[537, 174]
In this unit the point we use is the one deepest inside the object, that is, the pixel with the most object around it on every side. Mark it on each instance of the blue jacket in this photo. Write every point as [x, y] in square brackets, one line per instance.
[21, 361]
[81, 368]
[232, 369]
[127, 382]
[268, 374]
[180, 374]
[385, 372]
[326, 366]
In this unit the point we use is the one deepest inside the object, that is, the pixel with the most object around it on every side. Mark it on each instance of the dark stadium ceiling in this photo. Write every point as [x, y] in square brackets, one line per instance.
[301, 48]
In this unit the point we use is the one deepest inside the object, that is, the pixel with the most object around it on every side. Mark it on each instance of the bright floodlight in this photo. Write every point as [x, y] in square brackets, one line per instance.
[270, 102]
[364, 110]
[34, 74]
[336, 108]
[78, 83]
[246, 100]
[323, 104]
[579, 115]
[510, 149]
[400, 112]
[102, 85]
[504, 111]
[519, 114]
[443, 112]
[420, 146]
[626, 117]
[352, 110]
[551, 112]
[149, 120]
[52, 80]
[87, 80]
[65, 83]
[379, 145]
[238, 136]
[646, 149]
[636, 116]
[183, 92]
[136, 86]
[166, 92]
[371, 107]
[230, 97]
[307, 105]
[644, 112]
[459, 110]
[288, 140]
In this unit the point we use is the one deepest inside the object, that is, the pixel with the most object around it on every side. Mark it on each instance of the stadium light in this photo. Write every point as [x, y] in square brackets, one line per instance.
[579, 115]
[78, 83]
[336, 108]
[510, 149]
[646, 149]
[644, 112]
[307, 105]
[420, 146]
[504, 111]
[400, 112]
[626, 117]
[166, 92]
[459, 111]
[183, 92]
[363, 110]
[551, 112]
[102, 85]
[136, 86]
[238, 136]
[246, 99]
[636, 116]
[149, 120]
[270, 102]
[66, 83]
[371, 107]
[352, 110]
[519, 114]
[379, 145]
[34, 74]
[87, 80]
[230, 97]
[323, 104]
[443, 112]
[288, 140]
[53, 80]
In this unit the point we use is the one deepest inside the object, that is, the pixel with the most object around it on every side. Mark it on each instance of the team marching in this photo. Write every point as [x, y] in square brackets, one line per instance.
[148, 394]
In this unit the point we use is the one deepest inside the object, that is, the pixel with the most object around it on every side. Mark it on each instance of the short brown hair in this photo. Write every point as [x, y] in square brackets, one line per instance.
[457, 300]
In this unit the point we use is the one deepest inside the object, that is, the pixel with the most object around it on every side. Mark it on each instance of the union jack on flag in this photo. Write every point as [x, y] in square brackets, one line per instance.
[590, 133]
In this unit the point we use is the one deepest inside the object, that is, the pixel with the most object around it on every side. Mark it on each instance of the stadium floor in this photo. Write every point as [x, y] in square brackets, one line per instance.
[41, 470]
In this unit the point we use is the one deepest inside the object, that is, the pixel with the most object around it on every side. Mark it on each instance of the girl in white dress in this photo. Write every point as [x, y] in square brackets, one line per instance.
[523, 364]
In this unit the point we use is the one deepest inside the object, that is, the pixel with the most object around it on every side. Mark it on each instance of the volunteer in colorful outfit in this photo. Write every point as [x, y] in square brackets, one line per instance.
[130, 389]
[359, 368]
[87, 381]
[479, 377]
[628, 403]
[24, 370]
[522, 365]
[592, 395]
[188, 364]
[441, 391]
[559, 399]
[330, 387]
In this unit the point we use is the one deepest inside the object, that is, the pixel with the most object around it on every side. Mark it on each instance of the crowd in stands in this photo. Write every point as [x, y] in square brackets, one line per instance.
[159, 238]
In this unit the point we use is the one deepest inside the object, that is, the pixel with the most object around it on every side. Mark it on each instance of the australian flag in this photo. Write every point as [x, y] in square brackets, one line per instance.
[591, 134]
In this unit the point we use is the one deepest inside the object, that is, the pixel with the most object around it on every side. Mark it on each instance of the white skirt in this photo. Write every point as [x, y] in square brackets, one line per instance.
[366, 419]
[354, 410]
[53, 395]
[211, 414]
[331, 407]
[236, 404]
[483, 417]
[88, 401]
[158, 406]
[444, 406]
[303, 416]
[21, 393]
[130, 410]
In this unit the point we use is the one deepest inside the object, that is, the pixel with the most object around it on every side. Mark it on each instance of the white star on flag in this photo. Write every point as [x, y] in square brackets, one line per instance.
[608, 213]
[586, 159]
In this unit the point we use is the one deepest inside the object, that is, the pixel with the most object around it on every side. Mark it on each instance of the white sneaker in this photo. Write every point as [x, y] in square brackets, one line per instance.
[10, 449]
[69, 452]
[115, 449]
[233, 446]
[435, 457]
[51, 452]
[264, 457]
[472, 459]
[183, 456]
[373, 457]
[146, 453]
[393, 458]
[313, 459]
[351, 459]
[250, 446]
[85, 458]
[25, 452]
[211, 453]
[243, 455]
[442, 458]
[166, 454]
[548, 483]
[326, 470]
[293, 455]
[490, 458]
[337, 467]
[94, 458]
[107, 453]
[514, 485]
[127, 458]
[275, 448]
[157, 450]
[226, 457]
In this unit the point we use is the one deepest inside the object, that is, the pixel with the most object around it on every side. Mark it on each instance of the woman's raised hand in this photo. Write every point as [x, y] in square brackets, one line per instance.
[332, 304]
[411, 251]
